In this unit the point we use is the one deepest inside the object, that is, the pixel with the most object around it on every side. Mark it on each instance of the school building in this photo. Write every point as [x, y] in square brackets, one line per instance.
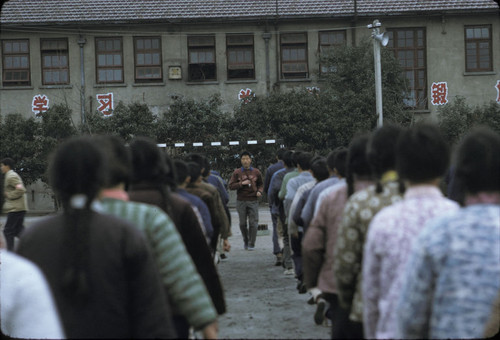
[92, 54]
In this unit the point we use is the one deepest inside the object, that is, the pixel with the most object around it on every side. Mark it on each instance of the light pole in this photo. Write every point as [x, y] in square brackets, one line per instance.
[378, 39]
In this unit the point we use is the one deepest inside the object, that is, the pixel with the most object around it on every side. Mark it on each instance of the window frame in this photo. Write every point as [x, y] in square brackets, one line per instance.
[209, 45]
[57, 53]
[416, 88]
[477, 42]
[150, 51]
[11, 70]
[245, 47]
[333, 45]
[106, 67]
[290, 45]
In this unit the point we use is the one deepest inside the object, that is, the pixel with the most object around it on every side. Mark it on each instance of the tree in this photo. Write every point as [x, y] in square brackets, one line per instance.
[457, 118]
[190, 121]
[351, 86]
[19, 141]
[126, 121]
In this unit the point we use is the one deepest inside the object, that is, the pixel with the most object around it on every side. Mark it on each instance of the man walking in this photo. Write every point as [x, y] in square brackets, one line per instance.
[15, 204]
[248, 183]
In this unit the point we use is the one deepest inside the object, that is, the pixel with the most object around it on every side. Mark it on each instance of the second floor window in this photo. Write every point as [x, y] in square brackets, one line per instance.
[408, 45]
[15, 63]
[478, 49]
[328, 40]
[147, 59]
[55, 63]
[294, 56]
[240, 57]
[201, 51]
[109, 58]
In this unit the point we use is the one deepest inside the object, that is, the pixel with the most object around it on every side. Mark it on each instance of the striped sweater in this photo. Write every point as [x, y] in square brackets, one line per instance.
[185, 288]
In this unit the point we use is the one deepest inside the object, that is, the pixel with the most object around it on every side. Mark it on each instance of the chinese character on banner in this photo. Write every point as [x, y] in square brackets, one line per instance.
[245, 95]
[40, 104]
[105, 103]
[439, 93]
[498, 91]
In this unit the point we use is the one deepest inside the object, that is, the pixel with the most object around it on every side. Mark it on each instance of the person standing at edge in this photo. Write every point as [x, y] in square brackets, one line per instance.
[15, 204]
[248, 183]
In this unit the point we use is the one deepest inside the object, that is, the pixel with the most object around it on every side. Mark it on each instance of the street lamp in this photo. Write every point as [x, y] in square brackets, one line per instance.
[378, 39]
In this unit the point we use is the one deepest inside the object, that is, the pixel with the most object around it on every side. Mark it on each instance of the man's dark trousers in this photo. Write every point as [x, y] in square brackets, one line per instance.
[13, 227]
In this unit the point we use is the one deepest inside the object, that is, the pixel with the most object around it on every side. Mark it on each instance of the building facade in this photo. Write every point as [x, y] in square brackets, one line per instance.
[92, 54]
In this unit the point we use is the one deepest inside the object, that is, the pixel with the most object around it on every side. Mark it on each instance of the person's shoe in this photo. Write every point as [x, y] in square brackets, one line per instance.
[327, 323]
[302, 289]
[279, 260]
[319, 316]
[289, 271]
[251, 248]
[246, 246]
[311, 300]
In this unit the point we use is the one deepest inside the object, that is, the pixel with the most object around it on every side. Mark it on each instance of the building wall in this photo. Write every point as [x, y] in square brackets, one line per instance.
[444, 54]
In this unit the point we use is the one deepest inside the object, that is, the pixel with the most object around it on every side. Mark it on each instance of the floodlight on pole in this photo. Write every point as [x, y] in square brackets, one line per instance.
[378, 39]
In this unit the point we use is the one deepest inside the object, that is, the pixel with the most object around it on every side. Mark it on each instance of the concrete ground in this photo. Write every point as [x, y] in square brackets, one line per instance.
[262, 302]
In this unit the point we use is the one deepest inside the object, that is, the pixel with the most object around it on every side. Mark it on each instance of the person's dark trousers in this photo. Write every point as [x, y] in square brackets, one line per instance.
[296, 245]
[181, 326]
[276, 244]
[13, 227]
[355, 330]
[248, 209]
[287, 256]
[340, 320]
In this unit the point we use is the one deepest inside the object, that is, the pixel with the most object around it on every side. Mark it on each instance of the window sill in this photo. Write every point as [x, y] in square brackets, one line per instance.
[485, 73]
[210, 82]
[148, 84]
[65, 86]
[23, 87]
[419, 111]
[109, 85]
[242, 81]
[303, 80]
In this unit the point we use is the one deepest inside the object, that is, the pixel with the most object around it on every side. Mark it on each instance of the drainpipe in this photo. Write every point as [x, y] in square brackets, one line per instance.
[354, 23]
[82, 41]
[277, 46]
[267, 36]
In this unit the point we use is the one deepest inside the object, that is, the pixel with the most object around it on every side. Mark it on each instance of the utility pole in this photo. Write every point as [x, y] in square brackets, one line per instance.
[378, 39]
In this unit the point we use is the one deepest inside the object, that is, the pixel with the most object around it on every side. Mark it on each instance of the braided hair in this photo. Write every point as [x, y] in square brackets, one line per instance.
[381, 152]
[357, 163]
[77, 173]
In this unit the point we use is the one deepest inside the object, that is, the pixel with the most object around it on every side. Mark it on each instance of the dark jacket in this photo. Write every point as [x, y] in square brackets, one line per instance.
[246, 192]
[189, 228]
[126, 298]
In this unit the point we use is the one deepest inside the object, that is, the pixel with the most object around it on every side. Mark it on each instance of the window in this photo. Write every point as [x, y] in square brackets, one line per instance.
[148, 59]
[201, 51]
[328, 40]
[478, 49]
[109, 58]
[408, 45]
[16, 63]
[294, 56]
[240, 57]
[55, 64]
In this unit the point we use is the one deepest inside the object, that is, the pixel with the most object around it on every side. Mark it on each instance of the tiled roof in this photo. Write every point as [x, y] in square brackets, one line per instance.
[82, 11]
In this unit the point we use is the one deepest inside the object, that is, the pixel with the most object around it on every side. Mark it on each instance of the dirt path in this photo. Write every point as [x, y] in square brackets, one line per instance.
[262, 303]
